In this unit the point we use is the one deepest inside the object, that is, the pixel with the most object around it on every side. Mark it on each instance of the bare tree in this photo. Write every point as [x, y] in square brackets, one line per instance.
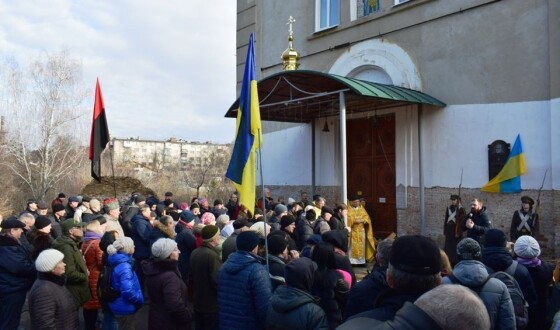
[208, 174]
[45, 135]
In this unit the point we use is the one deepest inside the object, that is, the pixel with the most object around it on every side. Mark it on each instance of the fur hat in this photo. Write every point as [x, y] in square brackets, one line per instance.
[494, 238]
[468, 249]
[247, 240]
[277, 244]
[527, 247]
[57, 208]
[415, 254]
[42, 222]
[163, 248]
[47, 260]
[209, 232]
[123, 244]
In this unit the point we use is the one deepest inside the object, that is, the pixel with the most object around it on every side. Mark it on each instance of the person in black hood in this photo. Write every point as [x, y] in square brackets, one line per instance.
[364, 293]
[339, 239]
[292, 306]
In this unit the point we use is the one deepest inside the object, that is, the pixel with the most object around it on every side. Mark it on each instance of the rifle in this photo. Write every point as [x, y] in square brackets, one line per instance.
[538, 207]
[460, 185]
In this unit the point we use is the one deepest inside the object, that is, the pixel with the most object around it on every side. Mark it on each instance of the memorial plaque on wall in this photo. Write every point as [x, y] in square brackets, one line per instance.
[498, 153]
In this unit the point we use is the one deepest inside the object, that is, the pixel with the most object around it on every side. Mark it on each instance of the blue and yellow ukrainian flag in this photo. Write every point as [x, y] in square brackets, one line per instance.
[242, 169]
[509, 178]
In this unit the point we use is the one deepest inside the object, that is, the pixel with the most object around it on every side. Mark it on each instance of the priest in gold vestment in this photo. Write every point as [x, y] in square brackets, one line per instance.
[362, 242]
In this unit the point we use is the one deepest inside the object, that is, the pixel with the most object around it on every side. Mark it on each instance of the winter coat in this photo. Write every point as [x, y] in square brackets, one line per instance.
[233, 210]
[56, 230]
[409, 317]
[244, 292]
[140, 234]
[124, 280]
[77, 280]
[39, 241]
[289, 238]
[481, 224]
[276, 267]
[51, 305]
[332, 291]
[494, 293]
[229, 246]
[542, 278]
[94, 263]
[168, 295]
[364, 293]
[499, 259]
[295, 309]
[203, 275]
[186, 243]
[113, 224]
[304, 230]
[339, 239]
[388, 303]
[17, 270]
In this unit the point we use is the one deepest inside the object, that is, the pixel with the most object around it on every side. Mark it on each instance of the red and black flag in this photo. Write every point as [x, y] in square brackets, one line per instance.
[99, 134]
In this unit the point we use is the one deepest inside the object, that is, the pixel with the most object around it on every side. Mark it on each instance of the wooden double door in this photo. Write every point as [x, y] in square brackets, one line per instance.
[371, 169]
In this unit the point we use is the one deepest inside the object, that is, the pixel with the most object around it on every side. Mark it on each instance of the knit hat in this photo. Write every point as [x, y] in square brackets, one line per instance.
[494, 238]
[111, 204]
[326, 209]
[68, 224]
[41, 222]
[468, 249]
[310, 215]
[527, 247]
[415, 254]
[223, 219]
[280, 208]
[139, 198]
[309, 208]
[73, 199]
[258, 228]
[240, 223]
[291, 201]
[12, 223]
[277, 244]
[57, 208]
[95, 204]
[286, 221]
[122, 244]
[187, 216]
[207, 218]
[86, 199]
[47, 260]
[247, 240]
[42, 206]
[209, 232]
[163, 247]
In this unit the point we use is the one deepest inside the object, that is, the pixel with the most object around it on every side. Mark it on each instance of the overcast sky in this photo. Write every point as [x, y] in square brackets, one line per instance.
[166, 67]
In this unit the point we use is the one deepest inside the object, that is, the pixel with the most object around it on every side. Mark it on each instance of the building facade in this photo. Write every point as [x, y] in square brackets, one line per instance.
[495, 64]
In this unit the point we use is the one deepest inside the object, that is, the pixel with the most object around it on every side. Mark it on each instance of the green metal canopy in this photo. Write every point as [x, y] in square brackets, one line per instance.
[300, 96]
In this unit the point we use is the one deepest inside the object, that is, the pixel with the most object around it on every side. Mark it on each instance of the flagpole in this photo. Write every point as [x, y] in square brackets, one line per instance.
[264, 201]
[113, 168]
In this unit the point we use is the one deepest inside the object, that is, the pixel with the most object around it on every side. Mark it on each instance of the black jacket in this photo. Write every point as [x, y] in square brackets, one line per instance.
[295, 309]
[168, 295]
[388, 303]
[364, 293]
[186, 243]
[482, 223]
[17, 270]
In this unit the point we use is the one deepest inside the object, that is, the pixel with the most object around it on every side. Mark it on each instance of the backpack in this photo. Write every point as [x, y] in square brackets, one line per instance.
[520, 305]
[105, 291]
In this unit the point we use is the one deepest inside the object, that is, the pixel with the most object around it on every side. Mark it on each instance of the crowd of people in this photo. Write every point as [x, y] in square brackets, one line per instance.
[284, 265]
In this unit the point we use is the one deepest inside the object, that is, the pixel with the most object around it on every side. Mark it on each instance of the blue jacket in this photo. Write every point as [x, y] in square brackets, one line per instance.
[141, 229]
[17, 270]
[494, 293]
[124, 280]
[244, 292]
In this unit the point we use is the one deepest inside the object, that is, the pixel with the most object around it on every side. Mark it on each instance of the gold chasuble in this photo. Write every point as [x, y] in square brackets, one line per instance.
[362, 242]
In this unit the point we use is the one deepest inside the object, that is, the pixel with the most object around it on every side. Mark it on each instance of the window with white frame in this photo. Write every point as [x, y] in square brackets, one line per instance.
[367, 7]
[327, 14]
[398, 2]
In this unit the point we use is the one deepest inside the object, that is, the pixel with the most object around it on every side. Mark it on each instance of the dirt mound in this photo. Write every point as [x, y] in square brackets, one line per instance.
[124, 186]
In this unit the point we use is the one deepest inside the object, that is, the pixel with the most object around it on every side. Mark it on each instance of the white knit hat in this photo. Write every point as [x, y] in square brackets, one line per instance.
[47, 260]
[163, 247]
[527, 247]
[124, 244]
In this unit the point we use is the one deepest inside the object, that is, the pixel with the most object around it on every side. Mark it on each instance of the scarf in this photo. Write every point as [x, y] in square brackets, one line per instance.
[534, 262]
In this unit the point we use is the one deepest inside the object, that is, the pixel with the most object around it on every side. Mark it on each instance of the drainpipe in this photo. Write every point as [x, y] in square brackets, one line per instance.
[313, 157]
[421, 169]
[343, 165]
